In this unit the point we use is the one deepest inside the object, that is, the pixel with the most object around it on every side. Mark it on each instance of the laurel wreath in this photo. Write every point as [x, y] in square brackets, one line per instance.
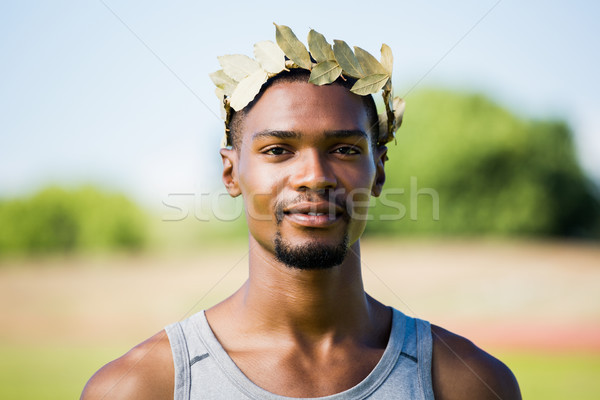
[241, 77]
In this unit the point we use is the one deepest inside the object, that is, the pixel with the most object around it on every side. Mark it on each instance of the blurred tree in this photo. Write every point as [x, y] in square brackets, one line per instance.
[60, 220]
[469, 167]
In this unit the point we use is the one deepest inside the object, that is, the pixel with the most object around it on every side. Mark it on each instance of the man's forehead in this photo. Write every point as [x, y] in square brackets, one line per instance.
[302, 107]
[299, 90]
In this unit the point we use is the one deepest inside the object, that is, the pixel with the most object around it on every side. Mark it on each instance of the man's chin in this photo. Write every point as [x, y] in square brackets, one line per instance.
[312, 254]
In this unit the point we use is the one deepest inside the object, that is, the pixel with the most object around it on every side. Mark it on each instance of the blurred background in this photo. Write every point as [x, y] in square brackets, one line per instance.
[114, 223]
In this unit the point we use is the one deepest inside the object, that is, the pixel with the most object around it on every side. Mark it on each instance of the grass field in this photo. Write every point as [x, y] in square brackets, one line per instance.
[535, 305]
[551, 375]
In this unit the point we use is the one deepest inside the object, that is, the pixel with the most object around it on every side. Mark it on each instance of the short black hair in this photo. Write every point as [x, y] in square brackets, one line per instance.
[301, 75]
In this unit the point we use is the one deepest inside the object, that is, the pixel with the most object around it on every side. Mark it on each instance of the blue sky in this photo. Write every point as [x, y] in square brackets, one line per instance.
[118, 94]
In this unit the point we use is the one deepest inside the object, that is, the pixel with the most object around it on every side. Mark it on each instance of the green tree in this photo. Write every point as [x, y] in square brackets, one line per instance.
[60, 220]
[493, 173]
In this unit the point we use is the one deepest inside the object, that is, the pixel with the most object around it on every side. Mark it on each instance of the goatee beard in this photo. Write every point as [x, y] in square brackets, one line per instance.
[312, 255]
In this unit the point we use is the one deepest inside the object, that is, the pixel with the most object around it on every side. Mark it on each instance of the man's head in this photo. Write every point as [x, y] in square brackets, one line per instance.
[308, 148]
[306, 166]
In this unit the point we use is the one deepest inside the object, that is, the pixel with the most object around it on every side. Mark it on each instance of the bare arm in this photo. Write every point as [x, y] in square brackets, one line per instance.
[145, 372]
[461, 370]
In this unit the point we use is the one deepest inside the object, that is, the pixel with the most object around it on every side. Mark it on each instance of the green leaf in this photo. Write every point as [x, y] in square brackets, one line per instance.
[369, 84]
[387, 59]
[319, 48]
[387, 96]
[325, 72]
[368, 63]
[399, 106]
[347, 60]
[223, 81]
[270, 57]
[238, 66]
[247, 89]
[389, 108]
[292, 47]
[383, 128]
[388, 86]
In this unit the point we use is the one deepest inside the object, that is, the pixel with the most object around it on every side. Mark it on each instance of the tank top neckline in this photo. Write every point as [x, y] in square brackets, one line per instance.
[360, 391]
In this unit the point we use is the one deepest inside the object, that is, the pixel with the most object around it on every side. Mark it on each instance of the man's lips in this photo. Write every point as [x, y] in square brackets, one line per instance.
[313, 208]
[311, 214]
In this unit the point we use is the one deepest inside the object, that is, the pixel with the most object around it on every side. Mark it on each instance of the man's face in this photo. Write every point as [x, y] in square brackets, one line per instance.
[306, 170]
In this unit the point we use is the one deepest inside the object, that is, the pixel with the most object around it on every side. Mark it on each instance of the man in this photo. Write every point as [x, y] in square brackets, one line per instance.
[306, 157]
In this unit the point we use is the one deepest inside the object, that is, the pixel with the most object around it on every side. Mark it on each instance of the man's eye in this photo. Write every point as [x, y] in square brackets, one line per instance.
[347, 150]
[276, 151]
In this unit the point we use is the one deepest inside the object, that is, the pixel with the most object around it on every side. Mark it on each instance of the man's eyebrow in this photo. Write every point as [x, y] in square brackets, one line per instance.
[276, 134]
[338, 134]
[342, 134]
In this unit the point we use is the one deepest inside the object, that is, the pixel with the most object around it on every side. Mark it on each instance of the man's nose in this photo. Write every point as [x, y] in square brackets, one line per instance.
[311, 171]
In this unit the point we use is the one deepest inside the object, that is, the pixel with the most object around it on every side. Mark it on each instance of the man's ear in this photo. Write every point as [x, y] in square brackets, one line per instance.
[380, 157]
[230, 178]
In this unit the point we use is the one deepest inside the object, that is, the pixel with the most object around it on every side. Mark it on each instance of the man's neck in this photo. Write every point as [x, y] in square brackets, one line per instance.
[305, 304]
[307, 301]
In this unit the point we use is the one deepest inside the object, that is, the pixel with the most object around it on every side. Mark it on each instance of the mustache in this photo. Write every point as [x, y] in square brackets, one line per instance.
[309, 197]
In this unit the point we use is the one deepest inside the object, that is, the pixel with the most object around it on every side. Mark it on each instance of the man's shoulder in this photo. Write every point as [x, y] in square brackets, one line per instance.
[144, 372]
[461, 370]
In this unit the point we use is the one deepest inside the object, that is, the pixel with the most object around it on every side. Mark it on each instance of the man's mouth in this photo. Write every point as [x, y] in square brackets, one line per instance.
[315, 215]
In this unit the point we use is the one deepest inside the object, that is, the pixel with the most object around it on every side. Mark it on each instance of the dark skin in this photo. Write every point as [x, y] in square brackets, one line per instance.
[300, 139]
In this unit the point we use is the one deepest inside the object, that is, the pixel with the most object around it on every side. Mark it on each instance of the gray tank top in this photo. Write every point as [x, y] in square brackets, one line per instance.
[204, 370]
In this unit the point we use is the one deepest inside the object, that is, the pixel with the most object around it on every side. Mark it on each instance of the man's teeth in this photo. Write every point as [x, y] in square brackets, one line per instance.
[315, 213]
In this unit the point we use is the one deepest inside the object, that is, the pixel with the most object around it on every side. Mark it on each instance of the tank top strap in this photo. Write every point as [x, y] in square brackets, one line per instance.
[181, 362]
[418, 347]
[424, 353]
[187, 350]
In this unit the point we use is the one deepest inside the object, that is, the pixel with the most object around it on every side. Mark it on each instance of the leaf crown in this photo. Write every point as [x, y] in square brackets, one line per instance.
[241, 77]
